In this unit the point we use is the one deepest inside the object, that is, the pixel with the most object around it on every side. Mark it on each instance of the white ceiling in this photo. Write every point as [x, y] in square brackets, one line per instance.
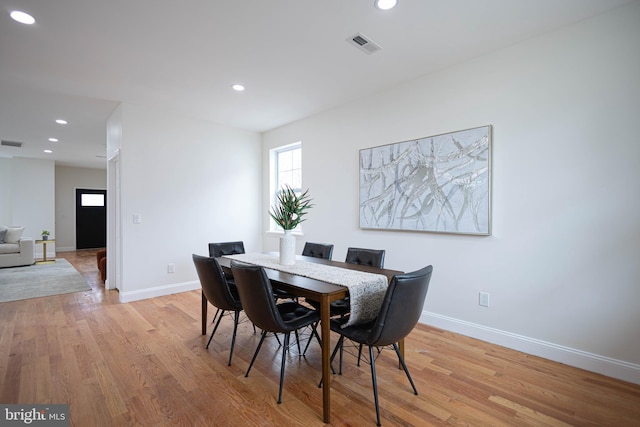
[81, 58]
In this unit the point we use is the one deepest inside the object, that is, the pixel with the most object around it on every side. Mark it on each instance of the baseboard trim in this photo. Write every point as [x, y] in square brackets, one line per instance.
[158, 291]
[65, 248]
[610, 367]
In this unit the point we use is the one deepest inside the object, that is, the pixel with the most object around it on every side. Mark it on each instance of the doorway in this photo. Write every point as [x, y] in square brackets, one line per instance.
[91, 218]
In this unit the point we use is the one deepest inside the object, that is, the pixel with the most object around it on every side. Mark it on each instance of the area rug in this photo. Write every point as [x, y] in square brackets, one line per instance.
[40, 280]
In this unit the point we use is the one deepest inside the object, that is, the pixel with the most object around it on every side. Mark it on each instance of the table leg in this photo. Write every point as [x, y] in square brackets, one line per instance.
[44, 249]
[326, 354]
[204, 314]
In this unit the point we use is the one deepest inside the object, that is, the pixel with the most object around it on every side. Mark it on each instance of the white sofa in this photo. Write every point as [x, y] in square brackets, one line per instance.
[15, 250]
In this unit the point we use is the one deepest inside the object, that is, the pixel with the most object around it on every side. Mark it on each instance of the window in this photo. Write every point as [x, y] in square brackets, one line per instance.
[286, 169]
[87, 199]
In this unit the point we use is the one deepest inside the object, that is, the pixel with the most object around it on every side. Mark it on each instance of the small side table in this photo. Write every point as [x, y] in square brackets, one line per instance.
[44, 251]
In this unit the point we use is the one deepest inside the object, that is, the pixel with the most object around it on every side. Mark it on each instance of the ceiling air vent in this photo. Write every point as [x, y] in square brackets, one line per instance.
[11, 144]
[363, 43]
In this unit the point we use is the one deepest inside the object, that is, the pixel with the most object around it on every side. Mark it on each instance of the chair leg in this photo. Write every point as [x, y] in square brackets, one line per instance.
[314, 332]
[215, 316]
[284, 361]
[337, 347]
[236, 319]
[333, 356]
[215, 328]
[375, 383]
[298, 342]
[264, 334]
[404, 366]
[341, 342]
[360, 353]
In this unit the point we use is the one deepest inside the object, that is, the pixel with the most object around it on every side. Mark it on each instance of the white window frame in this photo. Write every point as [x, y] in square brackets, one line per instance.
[274, 179]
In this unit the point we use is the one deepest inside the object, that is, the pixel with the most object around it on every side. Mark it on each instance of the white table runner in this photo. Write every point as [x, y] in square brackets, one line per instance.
[366, 290]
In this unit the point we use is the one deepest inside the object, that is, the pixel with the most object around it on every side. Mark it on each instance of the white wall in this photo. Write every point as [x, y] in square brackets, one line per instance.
[562, 264]
[5, 190]
[192, 182]
[29, 197]
[68, 179]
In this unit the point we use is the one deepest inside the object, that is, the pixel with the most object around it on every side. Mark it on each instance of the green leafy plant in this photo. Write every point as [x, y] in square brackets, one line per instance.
[290, 208]
[45, 233]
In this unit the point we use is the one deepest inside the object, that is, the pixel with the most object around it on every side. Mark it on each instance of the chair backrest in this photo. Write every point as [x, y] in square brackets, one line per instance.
[256, 295]
[318, 250]
[401, 308]
[214, 284]
[225, 248]
[371, 257]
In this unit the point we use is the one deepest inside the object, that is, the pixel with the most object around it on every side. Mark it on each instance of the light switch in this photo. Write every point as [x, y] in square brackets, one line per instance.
[137, 218]
[483, 299]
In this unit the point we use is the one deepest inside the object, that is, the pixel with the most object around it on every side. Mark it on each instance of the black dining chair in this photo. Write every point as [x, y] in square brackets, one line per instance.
[369, 257]
[400, 311]
[318, 250]
[233, 248]
[361, 256]
[256, 295]
[218, 292]
[218, 249]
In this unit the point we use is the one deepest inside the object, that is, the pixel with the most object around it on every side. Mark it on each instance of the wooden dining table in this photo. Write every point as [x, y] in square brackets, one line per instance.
[315, 290]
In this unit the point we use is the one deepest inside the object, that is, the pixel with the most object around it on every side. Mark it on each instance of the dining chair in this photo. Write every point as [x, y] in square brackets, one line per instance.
[234, 248]
[400, 311]
[219, 249]
[370, 257]
[361, 256]
[218, 292]
[256, 295]
[318, 250]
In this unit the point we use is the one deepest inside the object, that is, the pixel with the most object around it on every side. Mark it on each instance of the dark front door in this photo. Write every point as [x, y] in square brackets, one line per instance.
[91, 219]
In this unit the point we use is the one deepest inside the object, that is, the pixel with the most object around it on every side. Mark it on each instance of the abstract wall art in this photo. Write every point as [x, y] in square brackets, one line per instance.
[439, 183]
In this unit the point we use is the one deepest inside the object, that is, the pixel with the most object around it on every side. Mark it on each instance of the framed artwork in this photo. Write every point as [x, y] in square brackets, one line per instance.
[438, 184]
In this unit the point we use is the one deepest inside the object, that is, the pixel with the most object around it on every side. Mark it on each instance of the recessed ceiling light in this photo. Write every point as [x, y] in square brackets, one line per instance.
[238, 87]
[48, 151]
[385, 4]
[53, 139]
[21, 17]
[61, 121]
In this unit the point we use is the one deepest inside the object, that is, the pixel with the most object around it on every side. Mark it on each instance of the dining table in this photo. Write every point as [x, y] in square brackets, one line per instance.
[316, 290]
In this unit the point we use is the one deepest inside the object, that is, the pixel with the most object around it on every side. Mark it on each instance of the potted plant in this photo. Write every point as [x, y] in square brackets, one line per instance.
[45, 235]
[290, 208]
[288, 212]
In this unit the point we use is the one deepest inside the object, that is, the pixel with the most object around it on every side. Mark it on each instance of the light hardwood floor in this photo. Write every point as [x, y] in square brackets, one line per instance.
[144, 363]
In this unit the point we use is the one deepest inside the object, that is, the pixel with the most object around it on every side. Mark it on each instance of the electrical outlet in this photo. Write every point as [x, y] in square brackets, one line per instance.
[483, 299]
[171, 268]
